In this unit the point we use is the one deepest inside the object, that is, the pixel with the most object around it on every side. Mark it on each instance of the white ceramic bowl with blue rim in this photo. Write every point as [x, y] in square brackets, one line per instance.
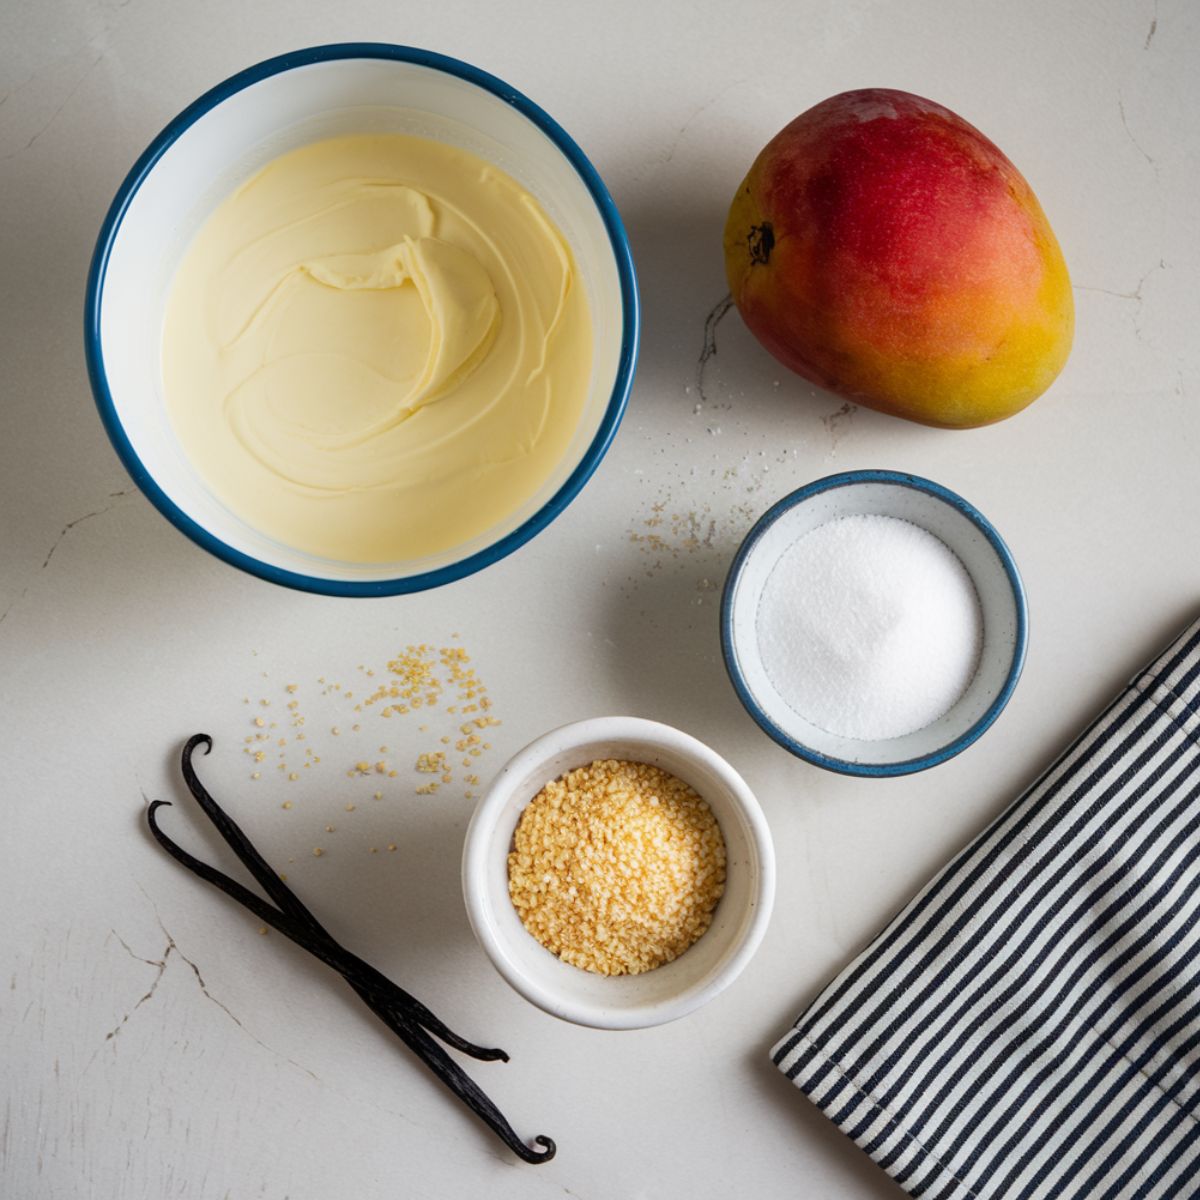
[227, 136]
[668, 992]
[960, 527]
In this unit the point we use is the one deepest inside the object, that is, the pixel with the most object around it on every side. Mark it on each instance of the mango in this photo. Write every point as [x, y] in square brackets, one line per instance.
[884, 249]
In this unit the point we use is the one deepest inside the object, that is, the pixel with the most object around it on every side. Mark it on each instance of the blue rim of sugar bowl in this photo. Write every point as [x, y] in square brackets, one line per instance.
[626, 364]
[840, 765]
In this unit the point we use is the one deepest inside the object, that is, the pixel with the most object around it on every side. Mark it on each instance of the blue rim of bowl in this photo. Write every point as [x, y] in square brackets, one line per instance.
[630, 317]
[840, 765]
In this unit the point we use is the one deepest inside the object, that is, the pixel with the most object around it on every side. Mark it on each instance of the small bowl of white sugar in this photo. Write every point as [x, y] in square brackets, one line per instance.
[874, 623]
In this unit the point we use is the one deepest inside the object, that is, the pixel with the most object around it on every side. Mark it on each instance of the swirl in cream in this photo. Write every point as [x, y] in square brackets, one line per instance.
[376, 349]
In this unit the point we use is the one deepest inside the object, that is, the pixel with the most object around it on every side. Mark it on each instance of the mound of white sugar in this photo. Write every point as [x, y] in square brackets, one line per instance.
[869, 627]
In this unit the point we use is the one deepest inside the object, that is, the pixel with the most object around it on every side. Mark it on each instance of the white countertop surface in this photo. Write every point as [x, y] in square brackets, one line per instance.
[153, 1043]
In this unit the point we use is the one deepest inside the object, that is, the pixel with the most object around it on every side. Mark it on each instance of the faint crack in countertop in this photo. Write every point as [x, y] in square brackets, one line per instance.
[835, 421]
[208, 995]
[696, 114]
[55, 114]
[113, 496]
[1129, 134]
[150, 962]
[99, 512]
[1135, 297]
[160, 964]
[709, 347]
[4, 614]
[220, 1004]
[1136, 294]
[1153, 27]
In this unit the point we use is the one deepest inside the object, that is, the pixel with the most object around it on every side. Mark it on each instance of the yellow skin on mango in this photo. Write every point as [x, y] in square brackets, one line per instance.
[884, 249]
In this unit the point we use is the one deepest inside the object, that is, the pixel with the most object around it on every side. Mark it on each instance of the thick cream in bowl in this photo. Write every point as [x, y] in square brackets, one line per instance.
[377, 347]
[362, 320]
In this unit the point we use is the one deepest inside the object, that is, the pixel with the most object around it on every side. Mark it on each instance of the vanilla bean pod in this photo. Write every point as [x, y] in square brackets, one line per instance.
[365, 979]
[376, 989]
[406, 1016]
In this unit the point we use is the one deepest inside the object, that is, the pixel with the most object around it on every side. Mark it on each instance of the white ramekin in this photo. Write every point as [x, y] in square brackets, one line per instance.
[630, 1001]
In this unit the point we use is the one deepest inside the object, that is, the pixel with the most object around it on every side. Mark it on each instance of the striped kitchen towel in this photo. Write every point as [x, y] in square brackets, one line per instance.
[1029, 1025]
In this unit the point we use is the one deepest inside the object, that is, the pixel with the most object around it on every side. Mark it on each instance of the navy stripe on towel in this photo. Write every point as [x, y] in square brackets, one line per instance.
[1029, 1025]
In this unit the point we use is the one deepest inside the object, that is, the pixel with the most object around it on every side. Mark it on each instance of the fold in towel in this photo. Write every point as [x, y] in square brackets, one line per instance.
[1029, 1025]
